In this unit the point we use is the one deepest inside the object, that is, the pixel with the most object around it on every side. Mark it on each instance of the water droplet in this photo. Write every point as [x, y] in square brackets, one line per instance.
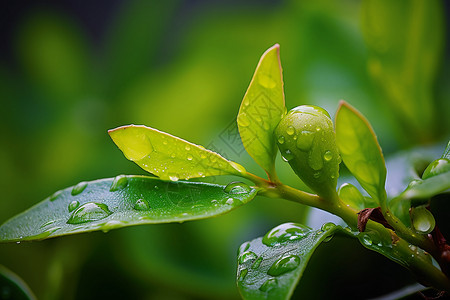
[257, 263]
[422, 219]
[236, 187]
[243, 120]
[88, 212]
[287, 155]
[73, 205]
[173, 155]
[268, 285]
[189, 157]
[305, 140]
[55, 196]
[327, 226]
[437, 167]
[242, 274]
[119, 183]
[328, 155]
[46, 224]
[79, 188]
[318, 129]
[244, 247]
[366, 239]
[311, 110]
[141, 204]
[202, 155]
[290, 130]
[247, 256]
[173, 177]
[187, 147]
[285, 232]
[281, 139]
[284, 265]
[246, 101]
[266, 81]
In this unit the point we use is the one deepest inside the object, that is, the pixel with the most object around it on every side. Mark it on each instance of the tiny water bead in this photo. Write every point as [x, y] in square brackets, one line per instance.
[243, 120]
[119, 183]
[285, 232]
[281, 139]
[187, 147]
[89, 212]
[237, 187]
[439, 166]
[247, 256]
[142, 205]
[113, 224]
[327, 155]
[305, 140]
[73, 205]
[284, 265]
[290, 130]
[366, 240]
[189, 157]
[422, 220]
[244, 247]
[327, 226]
[287, 155]
[268, 285]
[79, 188]
[173, 177]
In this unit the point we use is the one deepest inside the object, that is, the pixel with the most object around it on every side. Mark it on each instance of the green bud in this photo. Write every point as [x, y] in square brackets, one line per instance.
[306, 139]
[439, 166]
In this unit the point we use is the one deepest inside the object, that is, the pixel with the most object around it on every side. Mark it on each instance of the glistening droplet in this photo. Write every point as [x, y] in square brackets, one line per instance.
[89, 212]
[73, 205]
[285, 232]
[247, 256]
[268, 285]
[79, 188]
[284, 265]
[237, 188]
[119, 183]
[305, 140]
[141, 204]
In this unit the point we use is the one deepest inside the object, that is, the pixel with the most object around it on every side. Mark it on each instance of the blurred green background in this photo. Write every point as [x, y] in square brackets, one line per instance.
[71, 70]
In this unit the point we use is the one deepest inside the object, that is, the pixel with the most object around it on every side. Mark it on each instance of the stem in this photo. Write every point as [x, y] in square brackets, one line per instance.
[424, 269]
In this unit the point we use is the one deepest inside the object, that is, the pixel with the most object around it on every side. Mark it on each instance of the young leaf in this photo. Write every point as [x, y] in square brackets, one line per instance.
[170, 157]
[123, 201]
[13, 287]
[262, 108]
[446, 153]
[270, 267]
[360, 150]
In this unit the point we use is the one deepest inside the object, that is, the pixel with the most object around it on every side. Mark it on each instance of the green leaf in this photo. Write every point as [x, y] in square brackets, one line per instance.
[170, 157]
[123, 201]
[262, 109]
[13, 287]
[270, 267]
[360, 150]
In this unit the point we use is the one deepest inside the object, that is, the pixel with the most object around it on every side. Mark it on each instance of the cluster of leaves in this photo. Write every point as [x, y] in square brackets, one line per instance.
[271, 266]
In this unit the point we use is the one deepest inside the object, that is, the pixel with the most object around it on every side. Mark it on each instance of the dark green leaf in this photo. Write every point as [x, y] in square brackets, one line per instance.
[360, 150]
[270, 267]
[168, 156]
[262, 109]
[13, 287]
[123, 201]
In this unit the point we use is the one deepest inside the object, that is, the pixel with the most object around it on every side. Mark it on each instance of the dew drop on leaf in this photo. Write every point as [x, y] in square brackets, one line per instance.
[367, 240]
[141, 204]
[79, 188]
[327, 155]
[284, 265]
[242, 274]
[285, 232]
[422, 220]
[173, 177]
[290, 130]
[287, 155]
[73, 205]
[257, 263]
[244, 247]
[89, 212]
[247, 256]
[281, 139]
[189, 157]
[119, 183]
[268, 285]
[305, 140]
[237, 188]
[243, 120]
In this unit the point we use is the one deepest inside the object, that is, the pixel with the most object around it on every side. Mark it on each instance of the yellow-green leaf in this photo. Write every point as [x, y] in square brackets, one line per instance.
[262, 108]
[360, 150]
[170, 157]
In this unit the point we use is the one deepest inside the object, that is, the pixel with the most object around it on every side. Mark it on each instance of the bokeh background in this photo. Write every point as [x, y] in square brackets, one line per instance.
[70, 70]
